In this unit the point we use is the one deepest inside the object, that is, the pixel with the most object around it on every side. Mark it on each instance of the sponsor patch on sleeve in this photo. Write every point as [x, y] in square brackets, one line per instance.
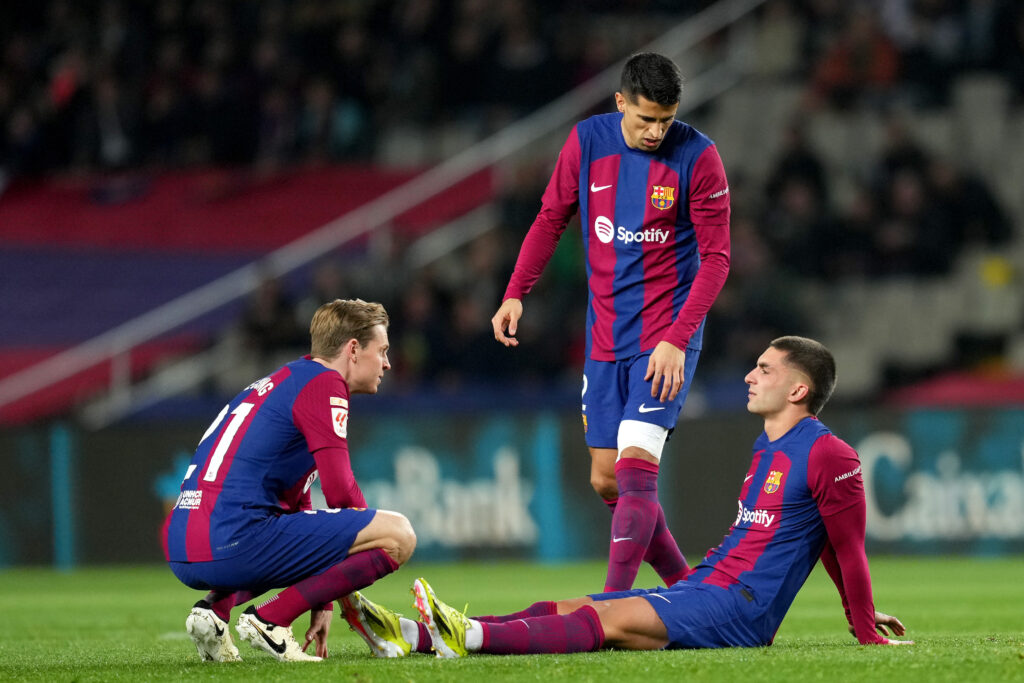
[339, 417]
[338, 401]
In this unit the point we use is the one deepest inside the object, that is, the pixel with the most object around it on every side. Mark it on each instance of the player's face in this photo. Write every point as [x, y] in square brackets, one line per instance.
[371, 362]
[644, 123]
[772, 383]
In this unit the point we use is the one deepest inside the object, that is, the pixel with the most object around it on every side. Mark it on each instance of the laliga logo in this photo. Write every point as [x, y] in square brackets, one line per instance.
[604, 228]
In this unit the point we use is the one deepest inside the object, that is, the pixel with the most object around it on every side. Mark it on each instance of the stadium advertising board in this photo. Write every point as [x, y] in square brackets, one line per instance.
[492, 485]
[941, 480]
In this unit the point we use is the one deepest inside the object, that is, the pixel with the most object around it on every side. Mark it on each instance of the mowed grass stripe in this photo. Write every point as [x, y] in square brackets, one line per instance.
[127, 624]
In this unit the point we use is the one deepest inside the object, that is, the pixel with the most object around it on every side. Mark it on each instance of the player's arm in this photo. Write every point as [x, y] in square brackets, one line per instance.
[831, 564]
[834, 477]
[320, 412]
[709, 212]
[558, 205]
[306, 501]
[336, 478]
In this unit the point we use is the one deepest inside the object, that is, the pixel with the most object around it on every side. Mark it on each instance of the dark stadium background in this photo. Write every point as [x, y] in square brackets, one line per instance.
[148, 150]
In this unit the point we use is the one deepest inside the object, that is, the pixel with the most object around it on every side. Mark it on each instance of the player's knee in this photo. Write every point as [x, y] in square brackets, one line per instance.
[573, 604]
[404, 539]
[604, 485]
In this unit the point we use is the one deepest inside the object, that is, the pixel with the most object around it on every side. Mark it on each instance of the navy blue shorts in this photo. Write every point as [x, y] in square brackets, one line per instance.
[698, 615]
[614, 391]
[280, 551]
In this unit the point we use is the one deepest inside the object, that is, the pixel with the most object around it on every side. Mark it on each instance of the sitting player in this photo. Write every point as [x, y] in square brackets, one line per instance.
[244, 524]
[802, 499]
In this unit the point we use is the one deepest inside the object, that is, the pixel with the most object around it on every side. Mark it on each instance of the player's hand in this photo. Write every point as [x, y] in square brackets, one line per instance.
[884, 622]
[319, 626]
[507, 320]
[890, 641]
[665, 371]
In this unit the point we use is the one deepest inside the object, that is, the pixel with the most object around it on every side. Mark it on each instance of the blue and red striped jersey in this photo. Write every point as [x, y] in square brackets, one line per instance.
[795, 486]
[257, 460]
[655, 232]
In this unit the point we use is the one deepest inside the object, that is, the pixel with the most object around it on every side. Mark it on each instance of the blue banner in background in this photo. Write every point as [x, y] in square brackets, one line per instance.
[482, 487]
[516, 484]
[943, 480]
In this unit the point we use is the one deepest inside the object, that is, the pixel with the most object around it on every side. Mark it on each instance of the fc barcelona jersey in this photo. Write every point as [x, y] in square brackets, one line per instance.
[641, 215]
[778, 534]
[255, 460]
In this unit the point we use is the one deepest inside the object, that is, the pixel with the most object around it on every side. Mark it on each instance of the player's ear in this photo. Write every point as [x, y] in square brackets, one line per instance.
[798, 392]
[351, 346]
[620, 101]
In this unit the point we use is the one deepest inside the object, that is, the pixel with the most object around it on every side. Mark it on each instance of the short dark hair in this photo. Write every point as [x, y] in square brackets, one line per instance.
[814, 360]
[653, 76]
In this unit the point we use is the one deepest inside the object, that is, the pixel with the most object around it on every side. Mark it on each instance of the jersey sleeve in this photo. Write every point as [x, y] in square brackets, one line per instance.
[558, 205]
[320, 412]
[709, 213]
[834, 477]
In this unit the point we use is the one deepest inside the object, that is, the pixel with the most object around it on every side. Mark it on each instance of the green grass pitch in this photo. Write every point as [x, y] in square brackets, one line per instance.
[127, 624]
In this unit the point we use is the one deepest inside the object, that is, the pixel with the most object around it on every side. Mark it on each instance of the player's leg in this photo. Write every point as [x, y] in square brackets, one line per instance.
[210, 634]
[638, 514]
[632, 623]
[640, 531]
[390, 532]
[602, 404]
[207, 621]
[602, 474]
[387, 633]
[378, 549]
[312, 554]
[223, 601]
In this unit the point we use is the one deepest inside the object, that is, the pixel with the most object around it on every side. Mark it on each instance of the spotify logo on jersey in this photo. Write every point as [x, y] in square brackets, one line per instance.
[604, 228]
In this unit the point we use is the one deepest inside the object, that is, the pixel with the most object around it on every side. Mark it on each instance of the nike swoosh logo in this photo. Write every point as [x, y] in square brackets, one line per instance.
[218, 630]
[276, 647]
[627, 538]
[747, 478]
[598, 188]
[644, 409]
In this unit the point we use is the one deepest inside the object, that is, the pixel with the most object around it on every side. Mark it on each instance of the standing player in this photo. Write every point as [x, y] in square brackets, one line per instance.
[802, 499]
[244, 522]
[654, 207]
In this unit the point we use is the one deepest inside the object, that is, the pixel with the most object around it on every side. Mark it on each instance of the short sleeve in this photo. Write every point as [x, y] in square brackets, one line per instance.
[320, 411]
[834, 475]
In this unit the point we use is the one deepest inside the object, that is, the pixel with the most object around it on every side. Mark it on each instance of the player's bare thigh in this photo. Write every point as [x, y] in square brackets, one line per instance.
[602, 468]
[390, 531]
[628, 623]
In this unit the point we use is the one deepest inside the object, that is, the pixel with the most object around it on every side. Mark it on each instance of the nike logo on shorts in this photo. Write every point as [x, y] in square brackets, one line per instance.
[627, 538]
[598, 188]
[644, 409]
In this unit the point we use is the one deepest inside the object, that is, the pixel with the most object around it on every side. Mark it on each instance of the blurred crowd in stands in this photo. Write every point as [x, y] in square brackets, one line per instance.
[109, 85]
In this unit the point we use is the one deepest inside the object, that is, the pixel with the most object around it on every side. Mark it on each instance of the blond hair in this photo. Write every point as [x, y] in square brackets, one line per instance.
[337, 321]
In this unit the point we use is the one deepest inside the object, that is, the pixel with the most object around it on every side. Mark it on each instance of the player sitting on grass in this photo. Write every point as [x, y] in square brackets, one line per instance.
[802, 499]
[244, 524]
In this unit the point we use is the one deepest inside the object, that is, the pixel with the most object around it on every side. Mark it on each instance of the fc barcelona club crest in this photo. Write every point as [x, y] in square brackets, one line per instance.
[774, 481]
[663, 197]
